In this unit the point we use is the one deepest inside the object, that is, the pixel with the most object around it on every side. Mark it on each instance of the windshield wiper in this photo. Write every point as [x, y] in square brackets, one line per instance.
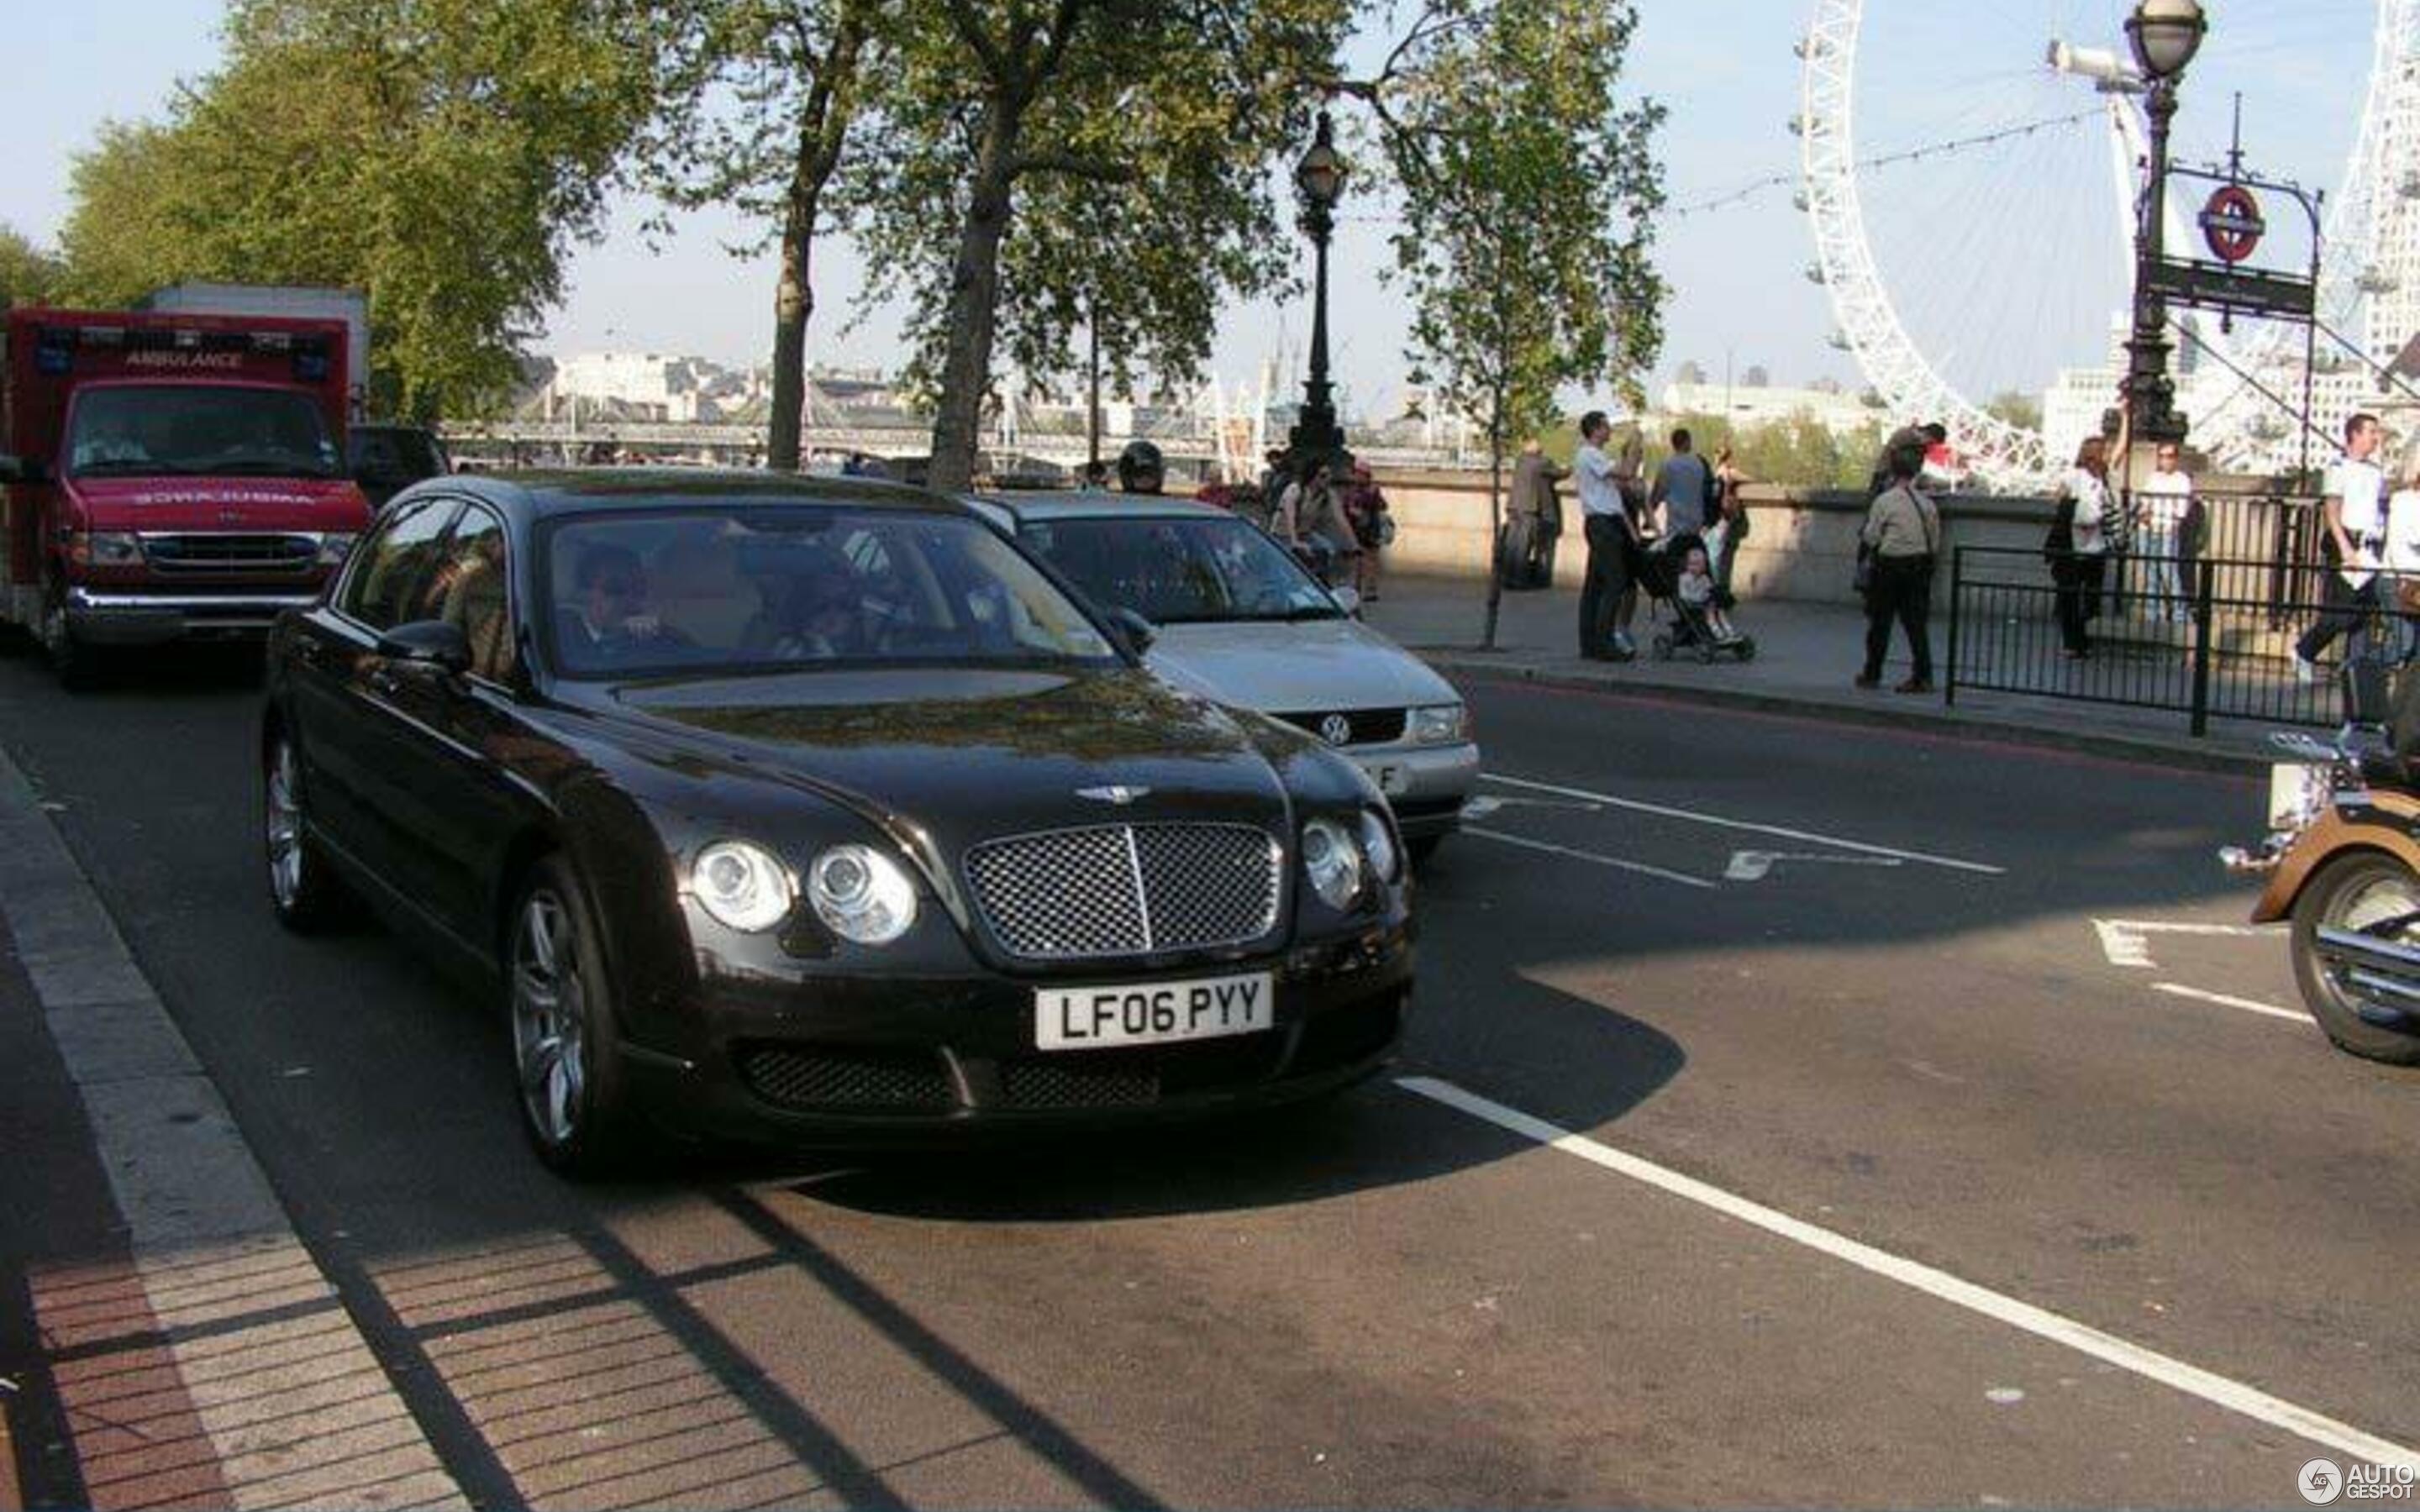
[271, 469]
[132, 467]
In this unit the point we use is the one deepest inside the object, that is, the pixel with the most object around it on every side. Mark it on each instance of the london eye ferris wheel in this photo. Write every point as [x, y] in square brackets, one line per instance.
[1971, 182]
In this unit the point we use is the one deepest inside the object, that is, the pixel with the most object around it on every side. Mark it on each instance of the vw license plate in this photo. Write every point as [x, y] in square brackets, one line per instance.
[1159, 1012]
[1391, 779]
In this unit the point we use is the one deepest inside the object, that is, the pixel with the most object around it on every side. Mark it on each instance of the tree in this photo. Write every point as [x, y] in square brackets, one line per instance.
[1095, 161]
[440, 155]
[1528, 201]
[28, 274]
[2021, 410]
[758, 99]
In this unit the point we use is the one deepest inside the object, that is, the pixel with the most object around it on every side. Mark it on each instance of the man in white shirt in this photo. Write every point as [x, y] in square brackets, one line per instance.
[2353, 511]
[2161, 505]
[1605, 601]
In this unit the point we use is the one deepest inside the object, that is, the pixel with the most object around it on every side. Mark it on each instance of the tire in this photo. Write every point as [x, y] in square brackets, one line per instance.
[1747, 648]
[1662, 645]
[2348, 892]
[75, 663]
[567, 1073]
[303, 892]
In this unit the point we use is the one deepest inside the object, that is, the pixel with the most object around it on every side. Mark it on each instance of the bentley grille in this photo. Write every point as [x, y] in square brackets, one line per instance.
[1127, 889]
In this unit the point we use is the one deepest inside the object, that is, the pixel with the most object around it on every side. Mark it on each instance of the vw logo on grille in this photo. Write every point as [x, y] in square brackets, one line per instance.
[1335, 729]
[1119, 794]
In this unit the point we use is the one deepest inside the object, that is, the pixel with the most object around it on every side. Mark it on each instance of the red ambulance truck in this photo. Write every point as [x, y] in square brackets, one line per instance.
[170, 475]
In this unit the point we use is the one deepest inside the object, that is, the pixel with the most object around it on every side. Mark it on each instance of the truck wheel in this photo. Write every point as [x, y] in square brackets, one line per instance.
[2354, 892]
[72, 662]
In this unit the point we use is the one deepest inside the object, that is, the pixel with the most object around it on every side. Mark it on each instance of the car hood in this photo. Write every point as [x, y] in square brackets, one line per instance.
[1295, 668]
[959, 755]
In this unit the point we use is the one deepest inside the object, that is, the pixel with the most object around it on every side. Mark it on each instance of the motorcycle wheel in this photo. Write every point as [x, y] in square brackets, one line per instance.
[2354, 892]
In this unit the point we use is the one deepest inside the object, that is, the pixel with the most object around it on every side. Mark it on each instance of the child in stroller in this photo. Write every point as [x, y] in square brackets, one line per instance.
[1679, 577]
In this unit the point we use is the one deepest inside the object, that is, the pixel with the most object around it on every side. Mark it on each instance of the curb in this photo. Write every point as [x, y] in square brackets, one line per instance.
[244, 1348]
[2145, 750]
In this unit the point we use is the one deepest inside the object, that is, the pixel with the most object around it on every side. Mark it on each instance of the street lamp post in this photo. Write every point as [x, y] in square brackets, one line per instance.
[1320, 179]
[2165, 35]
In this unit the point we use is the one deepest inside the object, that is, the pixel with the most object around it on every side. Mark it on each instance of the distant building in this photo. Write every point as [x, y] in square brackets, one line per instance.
[1744, 406]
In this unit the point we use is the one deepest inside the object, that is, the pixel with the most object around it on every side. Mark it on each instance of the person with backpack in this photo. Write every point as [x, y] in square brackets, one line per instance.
[1902, 538]
[2084, 523]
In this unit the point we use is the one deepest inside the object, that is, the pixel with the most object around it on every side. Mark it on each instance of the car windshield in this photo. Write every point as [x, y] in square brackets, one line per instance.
[752, 588]
[1178, 571]
[201, 430]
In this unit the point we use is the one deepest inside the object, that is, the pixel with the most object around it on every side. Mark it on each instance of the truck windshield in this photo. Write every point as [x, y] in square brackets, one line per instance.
[197, 429]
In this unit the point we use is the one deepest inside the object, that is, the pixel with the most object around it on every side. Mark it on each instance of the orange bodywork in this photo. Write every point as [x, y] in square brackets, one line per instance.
[2384, 826]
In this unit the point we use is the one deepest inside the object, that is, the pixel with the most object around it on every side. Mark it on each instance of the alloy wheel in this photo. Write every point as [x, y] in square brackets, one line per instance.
[550, 1017]
[283, 818]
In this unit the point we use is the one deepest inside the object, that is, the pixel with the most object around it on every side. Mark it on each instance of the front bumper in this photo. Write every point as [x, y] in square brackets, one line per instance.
[874, 1061]
[1425, 785]
[136, 619]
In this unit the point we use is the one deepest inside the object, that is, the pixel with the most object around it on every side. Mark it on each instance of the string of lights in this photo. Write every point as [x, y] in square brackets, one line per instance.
[1889, 160]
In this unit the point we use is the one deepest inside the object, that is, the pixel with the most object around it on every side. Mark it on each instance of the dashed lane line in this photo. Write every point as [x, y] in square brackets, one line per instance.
[1617, 863]
[2266, 1010]
[1721, 821]
[2192, 1379]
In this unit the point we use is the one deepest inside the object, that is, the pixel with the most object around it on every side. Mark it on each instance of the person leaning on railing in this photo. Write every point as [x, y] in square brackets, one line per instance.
[1903, 532]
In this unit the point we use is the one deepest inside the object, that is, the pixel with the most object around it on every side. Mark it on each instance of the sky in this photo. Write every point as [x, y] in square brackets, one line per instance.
[2006, 259]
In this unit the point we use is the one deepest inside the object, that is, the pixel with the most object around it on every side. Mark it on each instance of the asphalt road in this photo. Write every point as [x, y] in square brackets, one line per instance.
[1897, 1187]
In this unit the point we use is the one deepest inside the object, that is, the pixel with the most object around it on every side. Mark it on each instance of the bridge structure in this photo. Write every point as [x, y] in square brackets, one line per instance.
[548, 441]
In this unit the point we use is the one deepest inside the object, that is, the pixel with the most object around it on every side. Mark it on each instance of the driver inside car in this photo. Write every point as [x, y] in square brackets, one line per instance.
[820, 617]
[613, 618]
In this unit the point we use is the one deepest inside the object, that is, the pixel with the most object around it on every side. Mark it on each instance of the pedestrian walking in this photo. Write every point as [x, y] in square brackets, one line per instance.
[1373, 528]
[2161, 508]
[2352, 517]
[1612, 546]
[2083, 520]
[1534, 519]
[1902, 532]
[2401, 556]
[1728, 528]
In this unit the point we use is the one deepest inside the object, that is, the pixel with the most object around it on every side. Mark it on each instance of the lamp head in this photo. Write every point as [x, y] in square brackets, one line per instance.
[2165, 35]
[1320, 175]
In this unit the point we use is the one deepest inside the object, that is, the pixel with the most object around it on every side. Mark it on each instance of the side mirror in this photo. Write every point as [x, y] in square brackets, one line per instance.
[437, 644]
[1139, 632]
[22, 469]
[1347, 599]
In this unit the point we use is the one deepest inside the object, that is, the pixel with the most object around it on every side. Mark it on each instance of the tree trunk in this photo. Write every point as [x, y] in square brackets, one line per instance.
[1494, 518]
[974, 304]
[794, 301]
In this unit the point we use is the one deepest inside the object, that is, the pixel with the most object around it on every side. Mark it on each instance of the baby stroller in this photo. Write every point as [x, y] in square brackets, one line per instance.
[1692, 629]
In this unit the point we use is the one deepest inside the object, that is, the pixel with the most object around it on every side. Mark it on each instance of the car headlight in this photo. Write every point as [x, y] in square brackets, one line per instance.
[1332, 862]
[104, 549]
[741, 885]
[863, 894]
[1378, 844]
[1440, 724]
[335, 548]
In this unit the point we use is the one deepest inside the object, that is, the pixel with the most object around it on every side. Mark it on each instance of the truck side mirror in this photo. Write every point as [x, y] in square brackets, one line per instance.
[22, 469]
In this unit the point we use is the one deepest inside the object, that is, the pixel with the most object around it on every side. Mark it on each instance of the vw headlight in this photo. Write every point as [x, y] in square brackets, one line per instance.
[1440, 724]
[741, 885]
[1378, 844]
[863, 894]
[1332, 862]
[335, 548]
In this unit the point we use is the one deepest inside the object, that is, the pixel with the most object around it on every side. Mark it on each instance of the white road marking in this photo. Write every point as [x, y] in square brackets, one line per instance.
[1665, 811]
[1591, 857]
[1479, 807]
[2166, 1369]
[2267, 1010]
[1755, 866]
[2122, 939]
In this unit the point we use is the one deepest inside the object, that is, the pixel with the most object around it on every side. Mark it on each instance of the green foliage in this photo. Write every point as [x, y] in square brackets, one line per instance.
[1033, 168]
[1798, 453]
[1528, 194]
[2023, 411]
[440, 154]
[28, 274]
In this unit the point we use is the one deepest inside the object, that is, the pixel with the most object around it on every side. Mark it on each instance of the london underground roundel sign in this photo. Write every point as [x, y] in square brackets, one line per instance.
[2231, 223]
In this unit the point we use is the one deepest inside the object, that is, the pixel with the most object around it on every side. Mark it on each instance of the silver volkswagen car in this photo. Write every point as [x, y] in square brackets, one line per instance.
[1236, 618]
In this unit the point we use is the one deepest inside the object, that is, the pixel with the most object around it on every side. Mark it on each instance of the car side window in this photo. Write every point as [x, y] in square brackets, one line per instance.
[468, 590]
[393, 568]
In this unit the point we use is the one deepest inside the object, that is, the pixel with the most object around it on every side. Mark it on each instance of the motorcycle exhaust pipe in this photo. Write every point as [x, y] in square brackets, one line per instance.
[2379, 968]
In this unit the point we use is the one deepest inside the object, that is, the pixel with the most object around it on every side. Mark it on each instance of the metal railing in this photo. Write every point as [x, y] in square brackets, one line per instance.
[2216, 648]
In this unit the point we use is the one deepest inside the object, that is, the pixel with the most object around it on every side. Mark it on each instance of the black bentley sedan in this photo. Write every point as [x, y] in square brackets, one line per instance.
[814, 809]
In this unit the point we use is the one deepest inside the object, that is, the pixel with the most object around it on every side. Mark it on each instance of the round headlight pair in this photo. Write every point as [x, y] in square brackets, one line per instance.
[1337, 858]
[859, 893]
